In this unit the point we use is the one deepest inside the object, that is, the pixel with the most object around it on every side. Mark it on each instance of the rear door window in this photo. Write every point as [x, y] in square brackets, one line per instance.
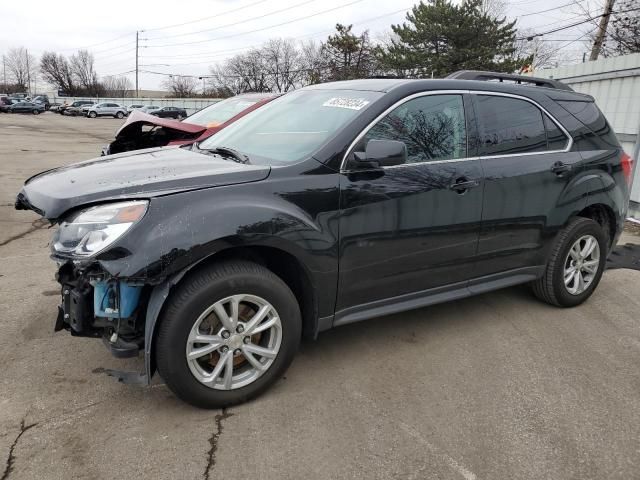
[509, 125]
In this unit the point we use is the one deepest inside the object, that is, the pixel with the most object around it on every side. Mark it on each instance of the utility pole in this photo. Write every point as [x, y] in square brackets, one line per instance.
[602, 30]
[137, 63]
[28, 73]
[4, 71]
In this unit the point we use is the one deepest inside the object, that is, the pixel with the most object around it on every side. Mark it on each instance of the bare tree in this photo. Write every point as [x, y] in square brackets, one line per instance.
[55, 69]
[82, 66]
[117, 86]
[221, 84]
[312, 62]
[493, 8]
[536, 53]
[623, 35]
[282, 62]
[181, 86]
[21, 67]
[251, 68]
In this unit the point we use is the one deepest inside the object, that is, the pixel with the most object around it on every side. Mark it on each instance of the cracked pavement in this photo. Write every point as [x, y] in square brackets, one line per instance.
[495, 386]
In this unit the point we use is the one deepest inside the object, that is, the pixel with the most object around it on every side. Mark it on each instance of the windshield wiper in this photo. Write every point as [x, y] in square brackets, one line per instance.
[235, 155]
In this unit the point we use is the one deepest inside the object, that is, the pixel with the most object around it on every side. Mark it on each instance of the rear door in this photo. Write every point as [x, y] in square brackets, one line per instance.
[408, 228]
[529, 169]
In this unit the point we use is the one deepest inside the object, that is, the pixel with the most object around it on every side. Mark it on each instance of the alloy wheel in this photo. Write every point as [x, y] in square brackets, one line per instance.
[234, 342]
[581, 264]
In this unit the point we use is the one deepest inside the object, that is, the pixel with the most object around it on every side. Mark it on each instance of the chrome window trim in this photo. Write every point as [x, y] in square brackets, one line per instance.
[458, 92]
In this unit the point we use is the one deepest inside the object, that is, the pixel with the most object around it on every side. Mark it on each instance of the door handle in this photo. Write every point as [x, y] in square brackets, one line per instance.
[560, 168]
[462, 185]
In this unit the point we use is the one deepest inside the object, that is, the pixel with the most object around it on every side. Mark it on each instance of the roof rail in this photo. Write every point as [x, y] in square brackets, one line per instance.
[501, 77]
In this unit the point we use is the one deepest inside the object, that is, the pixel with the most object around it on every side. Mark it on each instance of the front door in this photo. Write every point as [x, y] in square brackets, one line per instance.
[411, 227]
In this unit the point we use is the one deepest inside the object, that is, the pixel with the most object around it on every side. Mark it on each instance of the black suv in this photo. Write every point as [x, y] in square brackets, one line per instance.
[332, 204]
[169, 112]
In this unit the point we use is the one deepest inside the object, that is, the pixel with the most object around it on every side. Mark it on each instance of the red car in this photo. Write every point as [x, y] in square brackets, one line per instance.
[142, 130]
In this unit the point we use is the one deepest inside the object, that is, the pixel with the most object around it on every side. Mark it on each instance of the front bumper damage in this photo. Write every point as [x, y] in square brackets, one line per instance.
[97, 305]
[123, 312]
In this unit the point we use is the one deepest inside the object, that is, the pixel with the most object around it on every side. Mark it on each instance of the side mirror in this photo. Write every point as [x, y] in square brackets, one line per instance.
[381, 153]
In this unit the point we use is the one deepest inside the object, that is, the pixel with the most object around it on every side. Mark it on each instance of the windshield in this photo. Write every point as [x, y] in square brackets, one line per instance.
[293, 126]
[218, 113]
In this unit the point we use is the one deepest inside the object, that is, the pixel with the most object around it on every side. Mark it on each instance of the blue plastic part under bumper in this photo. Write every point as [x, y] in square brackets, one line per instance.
[107, 303]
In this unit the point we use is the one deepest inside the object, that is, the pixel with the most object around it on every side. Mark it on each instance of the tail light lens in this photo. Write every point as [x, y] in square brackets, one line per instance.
[627, 167]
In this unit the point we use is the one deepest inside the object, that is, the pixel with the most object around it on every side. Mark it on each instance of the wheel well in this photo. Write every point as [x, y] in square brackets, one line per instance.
[604, 216]
[285, 266]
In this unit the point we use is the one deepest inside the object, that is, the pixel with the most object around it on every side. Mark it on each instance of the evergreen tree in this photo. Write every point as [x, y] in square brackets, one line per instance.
[346, 55]
[440, 37]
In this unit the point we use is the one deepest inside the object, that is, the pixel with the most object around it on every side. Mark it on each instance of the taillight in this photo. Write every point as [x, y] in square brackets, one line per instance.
[627, 167]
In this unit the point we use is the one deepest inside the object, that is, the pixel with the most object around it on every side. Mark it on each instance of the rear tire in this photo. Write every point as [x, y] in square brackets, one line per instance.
[195, 380]
[36, 112]
[119, 115]
[569, 279]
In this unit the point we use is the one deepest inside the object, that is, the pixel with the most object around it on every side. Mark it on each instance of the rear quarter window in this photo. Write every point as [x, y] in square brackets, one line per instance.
[588, 113]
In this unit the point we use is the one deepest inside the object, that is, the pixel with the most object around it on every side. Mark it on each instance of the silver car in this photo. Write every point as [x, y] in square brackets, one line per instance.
[85, 108]
[131, 108]
[107, 109]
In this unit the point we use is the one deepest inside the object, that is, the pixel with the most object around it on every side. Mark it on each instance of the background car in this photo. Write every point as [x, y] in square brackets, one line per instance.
[54, 107]
[78, 103]
[170, 112]
[85, 108]
[131, 108]
[26, 107]
[149, 108]
[44, 99]
[79, 110]
[142, 130]
[107, 109]
[5, 102]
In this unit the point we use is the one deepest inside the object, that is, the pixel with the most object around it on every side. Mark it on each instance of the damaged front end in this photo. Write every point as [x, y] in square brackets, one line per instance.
[96, 306]
[95, 303]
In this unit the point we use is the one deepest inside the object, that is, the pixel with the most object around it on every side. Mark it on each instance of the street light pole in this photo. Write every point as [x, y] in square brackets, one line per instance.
[137, 63]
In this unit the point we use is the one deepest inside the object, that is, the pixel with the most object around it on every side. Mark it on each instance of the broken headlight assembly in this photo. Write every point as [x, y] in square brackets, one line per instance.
[91, 230]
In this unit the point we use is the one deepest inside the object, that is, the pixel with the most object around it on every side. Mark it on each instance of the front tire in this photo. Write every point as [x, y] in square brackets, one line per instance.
[36, 112]
[92, 114]
[119, 115]
[575, 265]
[228, 332]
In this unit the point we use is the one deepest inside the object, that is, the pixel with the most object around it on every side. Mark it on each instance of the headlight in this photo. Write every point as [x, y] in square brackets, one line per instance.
[92, 230]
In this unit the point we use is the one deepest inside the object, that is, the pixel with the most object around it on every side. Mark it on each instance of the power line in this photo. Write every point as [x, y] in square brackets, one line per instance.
[530, 37]
[95, 44]
[218, 53]
[258, 29]
[548, 10]
[235, 23]
[204, 19]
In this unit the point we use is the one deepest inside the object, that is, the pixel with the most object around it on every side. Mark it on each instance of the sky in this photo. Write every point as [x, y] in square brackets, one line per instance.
[187, 37]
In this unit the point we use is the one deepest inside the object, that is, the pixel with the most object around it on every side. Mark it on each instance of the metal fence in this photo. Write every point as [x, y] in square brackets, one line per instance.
[191, 105]
[615, 84]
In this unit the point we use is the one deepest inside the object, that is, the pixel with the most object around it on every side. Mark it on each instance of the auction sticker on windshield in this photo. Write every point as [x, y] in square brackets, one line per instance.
[350, 103]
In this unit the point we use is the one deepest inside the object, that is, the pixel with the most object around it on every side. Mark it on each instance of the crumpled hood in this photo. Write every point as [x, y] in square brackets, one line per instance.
[136, 118]
[140, 174]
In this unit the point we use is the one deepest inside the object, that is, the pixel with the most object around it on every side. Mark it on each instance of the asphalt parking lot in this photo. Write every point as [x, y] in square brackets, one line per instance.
[499, 386]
